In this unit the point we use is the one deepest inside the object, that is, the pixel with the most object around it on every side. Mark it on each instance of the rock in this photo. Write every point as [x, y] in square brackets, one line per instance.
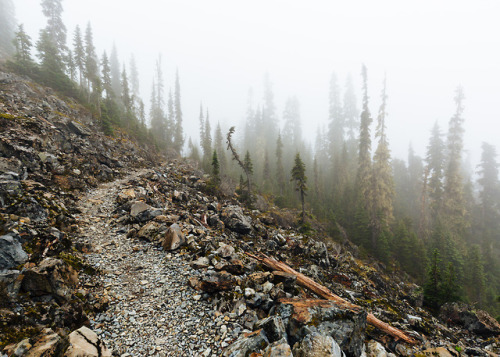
[173, 238]
[302, 317]
[47, 344]
[375, 349]
[476, 321]
[273, 327]
[85, 343]
[52, 276]
[287, 279]
[317, 345]
[200, 263]
[212, 282]
[247, 344]
[142, 212]
[225, 250]
[78, 128]
[11, 252]
[149, 231]
[21, 348]
[279, 348]
[235, 220]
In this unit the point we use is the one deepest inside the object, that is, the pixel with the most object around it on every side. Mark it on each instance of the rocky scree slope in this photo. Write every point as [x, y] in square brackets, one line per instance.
[116, 259]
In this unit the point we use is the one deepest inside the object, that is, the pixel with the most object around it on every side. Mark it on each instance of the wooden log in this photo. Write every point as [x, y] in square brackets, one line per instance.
[325, 293]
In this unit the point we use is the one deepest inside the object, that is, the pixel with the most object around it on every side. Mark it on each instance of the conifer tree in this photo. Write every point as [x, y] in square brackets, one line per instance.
[215, 169]
[106, 76]
[207, 145]
[350, 111]
[489, 195]
[435, 160]
[280, 172]
[115, 66]
[178, 141]
[383, 184]
[245, 165]
[23, 46]
[335, 118]
[292, 127]
[299, 176]
[92, 66]
[55, 31]
[219, 147]
[269, 121]
[364, 159]
[79, 53]
[453, 195]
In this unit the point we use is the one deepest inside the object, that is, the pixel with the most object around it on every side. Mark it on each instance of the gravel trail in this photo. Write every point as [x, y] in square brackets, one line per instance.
[152, 310]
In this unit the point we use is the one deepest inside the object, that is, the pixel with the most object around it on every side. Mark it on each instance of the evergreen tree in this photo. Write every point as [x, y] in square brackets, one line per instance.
[92, 66]
[269, 118]
[335, 118]
[115, 66]
[280, 172]
[299, 176]
[364, 159]
[435, 160]
[292, 127]
[215, 169]
[383, 184]
[453, 195]
[79, 53]
[71, 65]
[350, 111]
[51, 63]
[55, 31]
[178, 142]
[126, 97]
[106, 76]
[23, 46]
[245, 165]
[218, 144]
[432, 287]
[134, 79]
[475, 275]
[7, 28]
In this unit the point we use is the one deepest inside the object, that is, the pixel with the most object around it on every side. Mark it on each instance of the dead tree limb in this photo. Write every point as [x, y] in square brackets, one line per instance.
[325, 293]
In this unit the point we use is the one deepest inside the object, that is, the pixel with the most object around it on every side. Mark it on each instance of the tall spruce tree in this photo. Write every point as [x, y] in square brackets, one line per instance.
[336, 118]
[383, 184]
[435, 160]
[298, 174]
[79, 53]
[453, 195]
[55, 31]
[115, 66]
[280, 172]
[364, 159]
[23, 46]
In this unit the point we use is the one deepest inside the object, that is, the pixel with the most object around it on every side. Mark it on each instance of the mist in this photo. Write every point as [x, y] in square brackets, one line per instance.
[222, 49]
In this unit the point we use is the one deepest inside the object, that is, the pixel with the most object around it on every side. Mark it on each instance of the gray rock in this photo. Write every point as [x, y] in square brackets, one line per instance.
[476, 321]
[317, 345]
[375, 349]
[235, 220]
[279, 348]
[11, 252]
[246, 344]
[78, 129]
[273, 327]
[84, 342]
[346, 327]
[173, 238]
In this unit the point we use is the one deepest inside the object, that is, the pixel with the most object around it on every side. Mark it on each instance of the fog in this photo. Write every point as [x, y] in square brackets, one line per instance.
[222, 48]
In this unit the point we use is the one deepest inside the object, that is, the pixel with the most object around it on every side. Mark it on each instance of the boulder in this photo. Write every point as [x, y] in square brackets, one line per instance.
[375, 349]
[247, 344]
[173, 238]
[235, 220]
[476, 321]
[213, 281]
[304, 316]
[279, 348]
[11, 252]
[78, 129]
[48, 343]
[317, 345]
[85, 343]
[273, 327]
[52, 276]
[149, 231]
[142, 212]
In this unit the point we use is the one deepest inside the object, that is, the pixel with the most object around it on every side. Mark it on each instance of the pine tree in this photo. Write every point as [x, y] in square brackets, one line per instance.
[292, 127]
[435, 160]
[280, 172]
[383, 184]
[432, 287]
[207, 144]
[475, 275]
[364, 160]
[219, 147]
[178, 130]
[7, 28]
[489, 195]
[92, 66]
[51, 63]
[106, 76]
[269, 120]
[55, 31]
[299, 176]
[453, 195]
[79, 53]
[335, 118]
[115, 66]
[350, 111]
[215, 169]
[23, 46]
[245, 165]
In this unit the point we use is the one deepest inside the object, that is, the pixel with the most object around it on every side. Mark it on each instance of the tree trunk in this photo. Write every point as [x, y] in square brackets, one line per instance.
[327, 294]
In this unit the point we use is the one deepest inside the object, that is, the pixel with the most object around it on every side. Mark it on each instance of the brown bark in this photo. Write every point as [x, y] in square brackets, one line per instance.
[327, 294]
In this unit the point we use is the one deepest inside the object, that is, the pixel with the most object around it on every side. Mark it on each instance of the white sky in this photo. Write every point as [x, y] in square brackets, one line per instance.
[224, 47]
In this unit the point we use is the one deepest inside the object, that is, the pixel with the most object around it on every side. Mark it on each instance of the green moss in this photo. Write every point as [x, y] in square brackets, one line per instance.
[7, 116]
[12, 335]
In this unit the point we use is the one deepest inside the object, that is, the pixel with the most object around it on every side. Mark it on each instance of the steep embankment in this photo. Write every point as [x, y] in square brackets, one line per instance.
[157, 267]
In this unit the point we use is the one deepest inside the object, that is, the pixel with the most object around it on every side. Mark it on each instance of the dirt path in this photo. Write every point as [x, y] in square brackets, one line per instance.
[152, 310]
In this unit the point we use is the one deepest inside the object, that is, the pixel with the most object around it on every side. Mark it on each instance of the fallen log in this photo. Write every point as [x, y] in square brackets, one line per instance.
[325, 293]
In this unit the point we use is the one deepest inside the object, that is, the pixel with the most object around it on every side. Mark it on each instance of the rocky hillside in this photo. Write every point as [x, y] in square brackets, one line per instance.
[104, 250]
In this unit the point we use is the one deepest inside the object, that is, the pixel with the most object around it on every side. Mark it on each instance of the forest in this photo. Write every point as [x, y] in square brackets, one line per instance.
[428, 216]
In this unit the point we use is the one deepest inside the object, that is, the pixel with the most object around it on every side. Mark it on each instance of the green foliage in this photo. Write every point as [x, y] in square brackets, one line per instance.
[299, 176]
